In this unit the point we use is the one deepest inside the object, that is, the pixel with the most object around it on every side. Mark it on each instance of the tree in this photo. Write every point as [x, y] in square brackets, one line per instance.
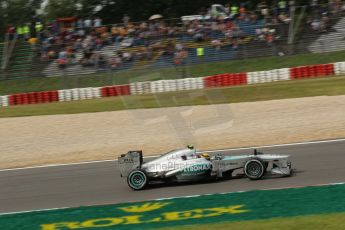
[111, 11]
[79, 8]
[17, 12]
[61, 8]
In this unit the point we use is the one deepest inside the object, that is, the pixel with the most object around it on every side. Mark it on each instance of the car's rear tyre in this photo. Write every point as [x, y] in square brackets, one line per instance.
[254, 169]
[137, 180]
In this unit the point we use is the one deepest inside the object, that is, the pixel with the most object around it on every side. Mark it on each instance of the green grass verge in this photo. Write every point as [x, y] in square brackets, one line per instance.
[124, 77]
[269, 91]
[312, 222]
[307, 208]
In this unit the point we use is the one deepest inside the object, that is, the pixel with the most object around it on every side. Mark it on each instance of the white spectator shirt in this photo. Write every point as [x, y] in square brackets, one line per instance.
[62, 55]
[97, 22]
[80, 23]
[126, 19]
[179, 46]
[81, 32]
[87, 23]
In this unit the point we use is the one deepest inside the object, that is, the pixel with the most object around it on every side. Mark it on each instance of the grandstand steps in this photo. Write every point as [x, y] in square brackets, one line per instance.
[53, 70]
[20, 63]
[146, 63]
[331, 41]
[76, 70]
[109, 50]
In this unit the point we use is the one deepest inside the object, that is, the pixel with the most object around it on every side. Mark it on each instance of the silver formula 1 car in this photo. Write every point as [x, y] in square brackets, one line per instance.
[186, 165]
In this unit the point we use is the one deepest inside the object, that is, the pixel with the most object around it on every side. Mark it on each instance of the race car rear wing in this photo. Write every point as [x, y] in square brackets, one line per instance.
[130, 161]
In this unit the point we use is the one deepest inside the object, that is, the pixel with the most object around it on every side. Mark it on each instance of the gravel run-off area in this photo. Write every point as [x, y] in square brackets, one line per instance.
[41, 140]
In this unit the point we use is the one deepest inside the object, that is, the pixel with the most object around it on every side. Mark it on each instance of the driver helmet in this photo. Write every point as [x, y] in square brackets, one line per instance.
[205, 155]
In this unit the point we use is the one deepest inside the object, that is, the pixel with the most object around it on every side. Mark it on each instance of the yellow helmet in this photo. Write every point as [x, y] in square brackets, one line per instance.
[205, 155]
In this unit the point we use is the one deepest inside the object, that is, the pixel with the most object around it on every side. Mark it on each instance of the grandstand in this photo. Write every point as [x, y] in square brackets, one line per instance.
[331, 41]
[157, 57]
[168, 44]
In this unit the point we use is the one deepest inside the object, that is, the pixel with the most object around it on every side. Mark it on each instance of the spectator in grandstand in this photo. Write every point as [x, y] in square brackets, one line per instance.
[88, 37]
[98, 43]
[63, 55]
[51, 55]
[283, 17]
[235, 44]
[77, 45]
[115, 62]
[97, 22]
[282, 7]
[316, 25]
[169, 48]
[126, 20]
[178, 46]
[242, 12]
[226, 9]
[127, 42]
[71, 56]
[235, 33]
[88, 58]
[199, 36]
[62, 63]
[102, 63]
[180, 57]
[324, 22]
[320, 25]
[45, 47]
[336, 6]
[270, 38]
[234, 11]
[262, 7]
[80, 24]
[33, 41]
[87, 23]
[11, 31]
[145, 53]
[217, 44]
[127, 57]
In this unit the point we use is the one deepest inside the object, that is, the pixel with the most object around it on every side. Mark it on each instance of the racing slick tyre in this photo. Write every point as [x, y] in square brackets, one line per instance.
[254, 169]
[137, 180]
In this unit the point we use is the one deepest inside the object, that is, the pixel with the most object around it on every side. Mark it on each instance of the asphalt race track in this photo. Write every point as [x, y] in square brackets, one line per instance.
[100, 183]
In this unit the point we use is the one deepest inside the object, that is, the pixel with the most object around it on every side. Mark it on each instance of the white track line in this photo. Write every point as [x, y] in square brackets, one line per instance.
[177, 197]
[38, 210]
[279, 145]
[207, 151]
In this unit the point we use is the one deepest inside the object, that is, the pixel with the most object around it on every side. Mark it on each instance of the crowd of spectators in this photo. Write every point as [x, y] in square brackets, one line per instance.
[82, 41]
[320, 14]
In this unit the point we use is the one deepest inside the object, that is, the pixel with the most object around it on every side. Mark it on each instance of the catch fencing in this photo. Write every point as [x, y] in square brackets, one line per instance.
[153, 87]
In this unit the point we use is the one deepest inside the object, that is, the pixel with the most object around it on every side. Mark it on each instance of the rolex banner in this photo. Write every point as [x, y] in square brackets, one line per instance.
[204, 209]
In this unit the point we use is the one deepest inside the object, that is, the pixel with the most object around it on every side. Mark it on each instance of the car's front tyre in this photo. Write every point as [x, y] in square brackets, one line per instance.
[254, 169]
[137, 180]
